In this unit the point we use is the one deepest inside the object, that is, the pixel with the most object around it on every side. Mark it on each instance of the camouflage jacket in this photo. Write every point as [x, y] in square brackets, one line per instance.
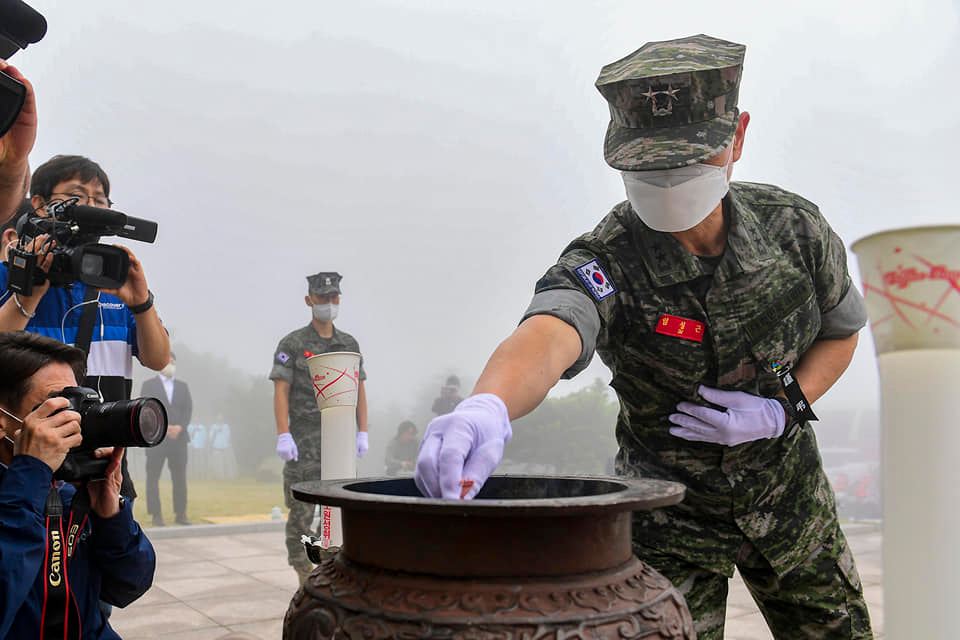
[781, 284]
[290, 364]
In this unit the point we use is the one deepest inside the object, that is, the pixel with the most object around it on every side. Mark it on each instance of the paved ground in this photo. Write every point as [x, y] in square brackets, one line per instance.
[209, 585]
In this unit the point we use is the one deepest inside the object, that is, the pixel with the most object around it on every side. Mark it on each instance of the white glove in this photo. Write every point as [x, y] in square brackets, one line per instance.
[287, 448]
[363, 443]
[747, 418]
[461, 449]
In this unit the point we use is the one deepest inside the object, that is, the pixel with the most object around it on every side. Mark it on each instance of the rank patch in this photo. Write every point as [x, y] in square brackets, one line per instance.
[282, 358]
[595, 280]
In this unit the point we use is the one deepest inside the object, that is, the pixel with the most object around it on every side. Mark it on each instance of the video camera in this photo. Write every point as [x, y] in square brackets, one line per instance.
[20, 25]
[140, 422]
[74, 232]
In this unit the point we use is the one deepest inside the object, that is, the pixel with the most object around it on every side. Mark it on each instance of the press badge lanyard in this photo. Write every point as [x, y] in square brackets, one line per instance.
[60, 615]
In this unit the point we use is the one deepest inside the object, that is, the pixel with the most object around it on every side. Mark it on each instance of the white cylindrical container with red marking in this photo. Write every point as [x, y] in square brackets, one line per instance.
[336, 383]
[911, 282]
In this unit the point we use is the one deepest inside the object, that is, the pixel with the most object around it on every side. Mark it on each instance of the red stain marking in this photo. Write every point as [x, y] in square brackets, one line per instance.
[895, 301]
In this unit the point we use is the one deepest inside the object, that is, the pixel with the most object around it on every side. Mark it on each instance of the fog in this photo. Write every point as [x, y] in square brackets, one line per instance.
[440, 156]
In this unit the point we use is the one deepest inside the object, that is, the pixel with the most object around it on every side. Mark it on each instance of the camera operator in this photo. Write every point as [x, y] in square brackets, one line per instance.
[15, 146]
[125, 322]
[52, 576]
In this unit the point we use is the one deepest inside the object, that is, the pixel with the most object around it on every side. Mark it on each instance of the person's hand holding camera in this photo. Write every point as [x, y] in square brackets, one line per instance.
[105, 493]
[49, 432]
[43, 246]
[15, 147]
[134, 291]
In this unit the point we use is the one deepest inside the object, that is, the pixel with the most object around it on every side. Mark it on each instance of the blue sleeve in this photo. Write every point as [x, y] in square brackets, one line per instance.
[132, 333]
[124, 556]
[23, 492]
[4, 294]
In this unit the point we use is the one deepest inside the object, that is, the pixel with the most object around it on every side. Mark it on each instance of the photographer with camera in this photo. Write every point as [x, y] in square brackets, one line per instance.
[65, 548]
[54, 297]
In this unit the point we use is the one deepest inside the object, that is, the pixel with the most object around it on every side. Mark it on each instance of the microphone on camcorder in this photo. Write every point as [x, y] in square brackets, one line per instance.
[96, 217]
[138, 229]
[117, 223]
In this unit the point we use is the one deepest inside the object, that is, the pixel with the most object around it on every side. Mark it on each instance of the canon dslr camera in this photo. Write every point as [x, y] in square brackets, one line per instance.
[74, 232]
[140, 422]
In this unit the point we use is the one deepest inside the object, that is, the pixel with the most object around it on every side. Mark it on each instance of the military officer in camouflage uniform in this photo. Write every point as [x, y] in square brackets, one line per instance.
[714, 305]
[295, 407]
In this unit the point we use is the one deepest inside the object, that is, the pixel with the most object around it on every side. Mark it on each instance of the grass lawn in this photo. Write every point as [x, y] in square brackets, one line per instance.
[217, 501]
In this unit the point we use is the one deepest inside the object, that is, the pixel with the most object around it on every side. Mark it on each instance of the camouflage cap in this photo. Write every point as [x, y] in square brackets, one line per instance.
[324, 282]
[672, 103]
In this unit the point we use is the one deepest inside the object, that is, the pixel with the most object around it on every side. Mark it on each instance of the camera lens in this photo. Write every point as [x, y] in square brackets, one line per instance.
[141, 422]
[91, 264]
[151, 421]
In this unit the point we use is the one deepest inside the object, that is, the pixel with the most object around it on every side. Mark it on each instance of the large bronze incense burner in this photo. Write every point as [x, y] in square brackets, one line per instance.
[532, 558]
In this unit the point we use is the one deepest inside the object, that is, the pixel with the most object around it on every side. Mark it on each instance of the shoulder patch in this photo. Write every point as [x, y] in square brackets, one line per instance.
[596, 280]
[282, 357]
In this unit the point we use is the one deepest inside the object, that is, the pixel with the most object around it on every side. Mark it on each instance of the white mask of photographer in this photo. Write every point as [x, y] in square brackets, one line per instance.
[169, 370]
[678, 199]
[325, 312]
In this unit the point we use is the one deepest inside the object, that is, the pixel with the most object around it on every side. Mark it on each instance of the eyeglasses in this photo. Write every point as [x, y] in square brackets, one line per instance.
[82, 197]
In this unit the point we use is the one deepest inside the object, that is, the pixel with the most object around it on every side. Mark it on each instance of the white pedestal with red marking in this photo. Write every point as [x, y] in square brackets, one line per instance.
[336, 382]
[911, 282]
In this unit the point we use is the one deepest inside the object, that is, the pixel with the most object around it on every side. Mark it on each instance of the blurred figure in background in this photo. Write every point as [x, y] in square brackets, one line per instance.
[449, 396]
[176, 399]
[223, 465]
[402, 450]
[199, 451]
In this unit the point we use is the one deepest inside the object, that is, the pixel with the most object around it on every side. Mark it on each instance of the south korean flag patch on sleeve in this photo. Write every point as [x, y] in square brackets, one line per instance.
[596, 280]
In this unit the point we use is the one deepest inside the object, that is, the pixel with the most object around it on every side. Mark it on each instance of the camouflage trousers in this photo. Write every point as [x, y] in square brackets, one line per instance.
[300, 516]
[821, 599]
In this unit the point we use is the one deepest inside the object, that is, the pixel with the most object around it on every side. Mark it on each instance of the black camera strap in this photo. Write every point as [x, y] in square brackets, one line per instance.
[60, 616]
[87, 317]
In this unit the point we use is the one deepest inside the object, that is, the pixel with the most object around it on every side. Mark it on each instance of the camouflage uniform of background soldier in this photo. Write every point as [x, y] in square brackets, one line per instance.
[290, 365]
[764, 506]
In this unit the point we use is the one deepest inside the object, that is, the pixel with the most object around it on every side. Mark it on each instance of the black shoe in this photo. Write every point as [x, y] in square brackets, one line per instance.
[158, 521]
[182, 520]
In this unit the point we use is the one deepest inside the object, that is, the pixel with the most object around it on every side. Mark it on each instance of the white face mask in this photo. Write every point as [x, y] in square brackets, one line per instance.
[674, 200]
[169, 370]
[325, 312]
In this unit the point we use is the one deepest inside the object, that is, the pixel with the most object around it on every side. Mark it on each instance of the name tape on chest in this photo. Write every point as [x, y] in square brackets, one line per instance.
[596, 280]
[677, 327]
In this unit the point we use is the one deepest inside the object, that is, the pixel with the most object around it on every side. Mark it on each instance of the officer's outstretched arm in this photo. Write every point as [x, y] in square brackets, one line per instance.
[527, 364]
[461, 449]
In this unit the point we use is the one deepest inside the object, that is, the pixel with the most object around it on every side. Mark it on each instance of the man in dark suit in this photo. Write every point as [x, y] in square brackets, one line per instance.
[175, 396]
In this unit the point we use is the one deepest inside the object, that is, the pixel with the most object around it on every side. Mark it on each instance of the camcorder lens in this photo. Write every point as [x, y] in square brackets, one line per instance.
[91, 264]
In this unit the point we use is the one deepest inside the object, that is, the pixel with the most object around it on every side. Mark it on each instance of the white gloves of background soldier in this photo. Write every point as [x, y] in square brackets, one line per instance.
[287, 448]
[363, 443]
[465, 445]
[747, 418]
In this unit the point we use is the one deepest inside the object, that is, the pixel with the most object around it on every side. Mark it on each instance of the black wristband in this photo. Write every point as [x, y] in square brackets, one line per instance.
[140, 308]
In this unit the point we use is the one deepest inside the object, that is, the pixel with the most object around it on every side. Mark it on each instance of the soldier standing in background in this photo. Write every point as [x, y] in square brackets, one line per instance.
[723, 310]
[449, 396]
[295, 406]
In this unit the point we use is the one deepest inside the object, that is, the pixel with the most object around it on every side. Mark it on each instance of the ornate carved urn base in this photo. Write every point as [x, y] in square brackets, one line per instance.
[532, 558]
